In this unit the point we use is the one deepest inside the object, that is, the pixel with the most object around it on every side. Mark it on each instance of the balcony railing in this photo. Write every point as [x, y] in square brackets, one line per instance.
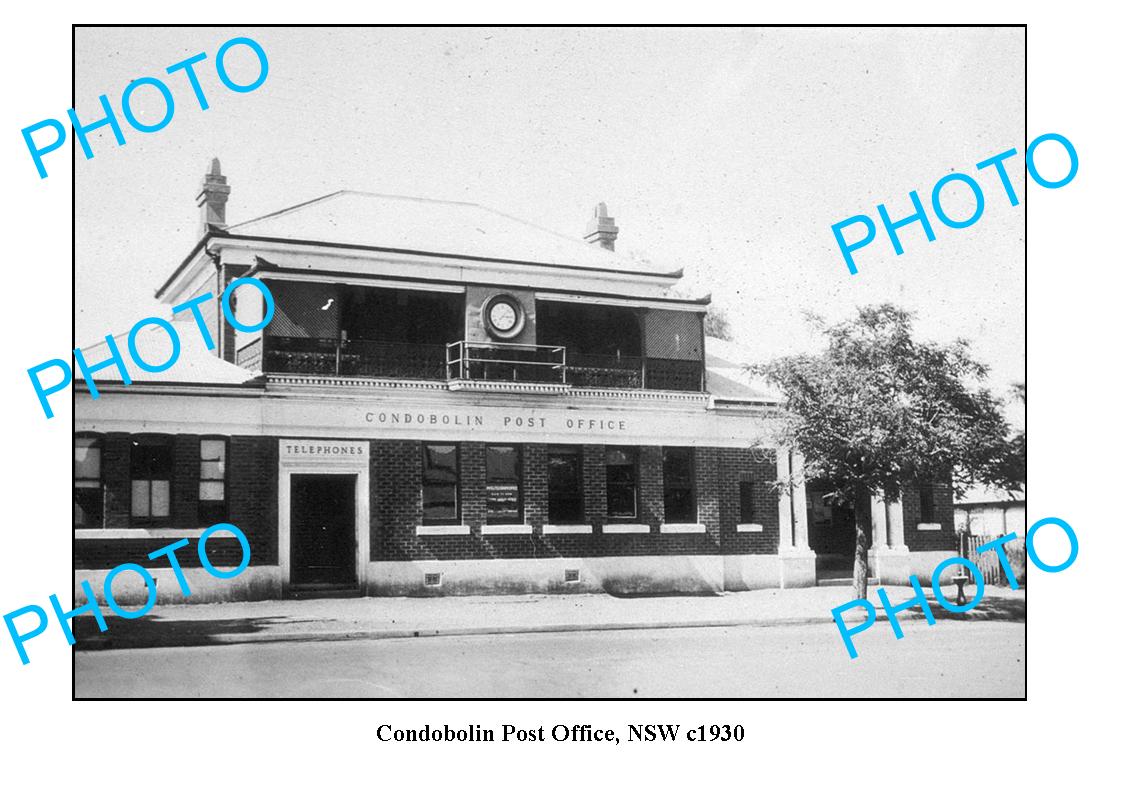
[466, 362]
[511, 362]
[354, 358]
[593, 370]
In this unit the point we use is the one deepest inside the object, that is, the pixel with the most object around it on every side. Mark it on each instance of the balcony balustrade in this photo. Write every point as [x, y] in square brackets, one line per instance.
[363, 358]
[507, 362]
[467, 362]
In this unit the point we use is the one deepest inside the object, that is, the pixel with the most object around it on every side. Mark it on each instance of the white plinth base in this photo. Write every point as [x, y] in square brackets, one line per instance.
[891, 565]
[797, 567]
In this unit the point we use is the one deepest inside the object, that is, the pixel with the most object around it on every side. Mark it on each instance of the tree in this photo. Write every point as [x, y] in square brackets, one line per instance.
[717, 324]
[878, 410]
[1017, 463]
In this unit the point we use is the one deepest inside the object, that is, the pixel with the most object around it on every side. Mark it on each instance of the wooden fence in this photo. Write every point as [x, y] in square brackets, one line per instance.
[988, 564]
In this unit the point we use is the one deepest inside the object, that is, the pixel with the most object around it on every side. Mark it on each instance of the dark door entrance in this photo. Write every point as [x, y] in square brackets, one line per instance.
[322, 530]
[831, 534]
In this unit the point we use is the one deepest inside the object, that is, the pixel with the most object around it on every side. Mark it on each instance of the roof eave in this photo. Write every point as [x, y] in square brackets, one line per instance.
[669, 275]
[212, 232]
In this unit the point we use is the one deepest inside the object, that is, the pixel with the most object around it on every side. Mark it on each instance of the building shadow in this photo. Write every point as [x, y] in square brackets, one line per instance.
[151, 632]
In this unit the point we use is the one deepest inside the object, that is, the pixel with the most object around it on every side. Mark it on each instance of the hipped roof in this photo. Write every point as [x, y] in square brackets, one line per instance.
[465, 229]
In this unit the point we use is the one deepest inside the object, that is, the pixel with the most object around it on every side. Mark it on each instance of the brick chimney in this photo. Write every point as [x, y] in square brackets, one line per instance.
[212, 199]
[601, 229]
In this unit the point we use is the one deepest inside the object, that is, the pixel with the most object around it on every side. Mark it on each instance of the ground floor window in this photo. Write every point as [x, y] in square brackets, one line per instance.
[678, 485]
[927, 503]
[212, 481]
[440, 484]
[564, 485]
[504, 484]
[747, 505]
[621, 480]
[150, 468]
[88, 499]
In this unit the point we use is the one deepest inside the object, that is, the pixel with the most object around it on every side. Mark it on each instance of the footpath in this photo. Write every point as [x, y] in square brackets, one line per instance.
[416, 617]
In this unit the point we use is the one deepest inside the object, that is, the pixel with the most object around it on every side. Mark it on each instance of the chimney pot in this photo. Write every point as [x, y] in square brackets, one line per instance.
[212, 199]
[602, 230]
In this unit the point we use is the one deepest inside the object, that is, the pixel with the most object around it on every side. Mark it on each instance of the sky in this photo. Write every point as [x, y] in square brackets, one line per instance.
[728, 152]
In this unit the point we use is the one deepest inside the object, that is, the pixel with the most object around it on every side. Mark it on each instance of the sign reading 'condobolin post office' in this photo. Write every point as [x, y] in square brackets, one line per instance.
[505, 419]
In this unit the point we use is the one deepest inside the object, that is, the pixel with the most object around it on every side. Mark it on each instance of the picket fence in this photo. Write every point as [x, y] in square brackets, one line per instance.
[987, 561]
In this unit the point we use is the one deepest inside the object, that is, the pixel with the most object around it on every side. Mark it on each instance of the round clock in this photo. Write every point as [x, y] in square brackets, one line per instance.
[504, 316]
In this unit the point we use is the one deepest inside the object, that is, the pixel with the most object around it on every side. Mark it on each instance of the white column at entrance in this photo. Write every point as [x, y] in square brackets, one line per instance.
[879, 522]
[783, 470]
[896, 525]
[797, 561]
[879, 530]
[892, 564]
[799, 503]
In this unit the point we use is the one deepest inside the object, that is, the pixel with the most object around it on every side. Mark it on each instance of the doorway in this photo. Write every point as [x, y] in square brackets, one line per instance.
[831, 534]
[322, 530]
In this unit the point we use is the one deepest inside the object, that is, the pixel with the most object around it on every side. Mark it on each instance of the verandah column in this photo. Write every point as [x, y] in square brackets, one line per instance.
[797, 561]
[893, 565]
[896, 525]
[783, 471]
[879, 522]
[799, 503]
[879, 544]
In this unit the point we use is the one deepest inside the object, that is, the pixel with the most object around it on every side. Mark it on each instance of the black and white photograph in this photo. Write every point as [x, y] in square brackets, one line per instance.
[536, 363]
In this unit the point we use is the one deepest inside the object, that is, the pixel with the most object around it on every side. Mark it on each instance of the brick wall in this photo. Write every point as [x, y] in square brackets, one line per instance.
[758, 467]
[396, 506]
[251, 495]
[535, 486]
[918, 540]
[593, 484]
[109, 553]
[185, 482]
[395, 473]
[115, 450]
[651, 485]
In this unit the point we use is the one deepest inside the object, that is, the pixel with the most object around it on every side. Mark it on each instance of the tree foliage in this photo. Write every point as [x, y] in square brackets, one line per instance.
[1017, 465]
[878, 410]
[717, 324]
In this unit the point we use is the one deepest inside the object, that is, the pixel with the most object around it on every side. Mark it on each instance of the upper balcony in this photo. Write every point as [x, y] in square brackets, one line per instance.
[548, 346]
[465, 365]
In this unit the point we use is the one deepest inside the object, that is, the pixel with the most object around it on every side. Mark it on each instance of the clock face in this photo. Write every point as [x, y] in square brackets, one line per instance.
[503, 316]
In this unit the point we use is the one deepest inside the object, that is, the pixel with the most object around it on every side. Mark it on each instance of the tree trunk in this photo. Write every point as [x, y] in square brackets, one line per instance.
[863, 526]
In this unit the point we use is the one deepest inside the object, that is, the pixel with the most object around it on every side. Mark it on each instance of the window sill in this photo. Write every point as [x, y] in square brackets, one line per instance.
[443, 530]
[559, 529]
[682, 527]
[929, 526]
[138, 533]
[505, 530]
[750, 527]
[625, 528]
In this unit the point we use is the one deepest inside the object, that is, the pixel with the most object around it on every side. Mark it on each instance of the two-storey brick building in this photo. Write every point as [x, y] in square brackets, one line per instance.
[448, 400]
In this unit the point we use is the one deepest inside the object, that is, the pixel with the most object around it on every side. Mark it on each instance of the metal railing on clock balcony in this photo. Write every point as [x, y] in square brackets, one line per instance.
[506, 362]
[470, 361]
